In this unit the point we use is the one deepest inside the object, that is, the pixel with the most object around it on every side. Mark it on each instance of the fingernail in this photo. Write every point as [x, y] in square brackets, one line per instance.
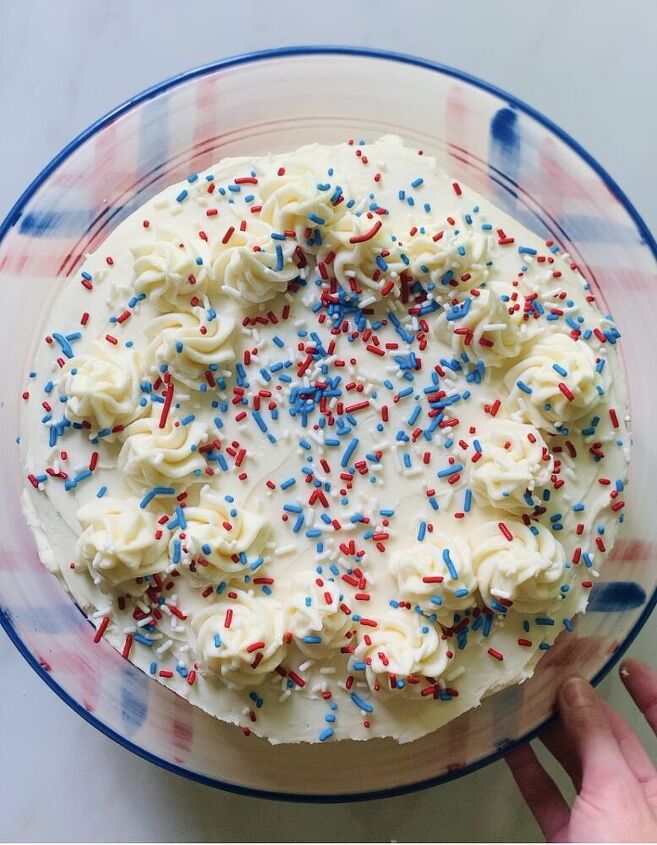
[577, 692]
[624, 671]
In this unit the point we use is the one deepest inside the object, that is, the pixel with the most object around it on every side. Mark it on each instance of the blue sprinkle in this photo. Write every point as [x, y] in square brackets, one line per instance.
[450, 470]
[362, 705]
[467, 503]
[156, 491]
[140, 638]
[346, 457]
[67, 349]
[449, 563]
[279, 258]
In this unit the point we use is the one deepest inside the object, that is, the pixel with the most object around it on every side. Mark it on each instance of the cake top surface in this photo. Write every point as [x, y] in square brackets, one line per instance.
[327, 443]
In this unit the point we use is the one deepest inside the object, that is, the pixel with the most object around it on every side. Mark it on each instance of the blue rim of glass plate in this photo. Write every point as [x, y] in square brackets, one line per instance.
[246, 58]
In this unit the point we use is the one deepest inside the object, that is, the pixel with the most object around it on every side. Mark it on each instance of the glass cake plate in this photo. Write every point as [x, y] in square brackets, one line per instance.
[276, 101]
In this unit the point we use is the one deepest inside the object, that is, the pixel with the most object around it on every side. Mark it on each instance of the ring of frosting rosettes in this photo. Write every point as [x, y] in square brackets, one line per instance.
[445, 587]
[552, 378]
[305, 225]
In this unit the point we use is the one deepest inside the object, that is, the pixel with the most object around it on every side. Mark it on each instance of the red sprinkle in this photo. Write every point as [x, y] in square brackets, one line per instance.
[567, 392]
[366, 236]
[100, 630]
[505, 531]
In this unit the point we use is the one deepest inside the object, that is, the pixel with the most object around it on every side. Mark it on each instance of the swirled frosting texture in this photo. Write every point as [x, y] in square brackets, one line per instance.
[527, 570]
[450, 262]
[240, 640]
[220, 539]
[118, 541]
[403, 650]
[155, 456]
[169, 272]
[487, 325]
[253, 265]
[362, 254]
[514, 465]
[555, 381]
[190, 345]
[436, 575]
[296, 201]
[317, 615]
[102, 386]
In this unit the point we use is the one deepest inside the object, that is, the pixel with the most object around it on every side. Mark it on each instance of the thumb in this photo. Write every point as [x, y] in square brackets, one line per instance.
[590, 731]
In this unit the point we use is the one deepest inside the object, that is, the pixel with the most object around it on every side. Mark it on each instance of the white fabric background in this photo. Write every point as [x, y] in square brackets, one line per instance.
[588, 64]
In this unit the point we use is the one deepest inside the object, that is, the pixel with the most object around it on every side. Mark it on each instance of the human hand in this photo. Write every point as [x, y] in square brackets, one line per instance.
[615, 780]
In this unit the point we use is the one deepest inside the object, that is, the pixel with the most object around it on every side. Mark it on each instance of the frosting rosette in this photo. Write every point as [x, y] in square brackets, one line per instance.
[401, 651]
[488, 324]
[240, 639]
[316, 615]
[254, 266]
[103, 386]
[190, 344]
[514, 464]
[360, 251]
[449, 262]
[170, 272]
[118, 541]
[154, 456]
[436, 575]
[219, 539]
[518, 565]
[556, 381]
[295, 200]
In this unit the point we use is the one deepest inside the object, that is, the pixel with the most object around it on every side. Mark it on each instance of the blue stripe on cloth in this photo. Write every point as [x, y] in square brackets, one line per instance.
[58, 619]
[134, 699]
[56, 224]
[616, 596]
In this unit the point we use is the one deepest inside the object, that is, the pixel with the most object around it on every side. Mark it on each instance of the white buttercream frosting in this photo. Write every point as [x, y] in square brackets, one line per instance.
[362, 253]
[118, 541]
[240, 639]
[517, 564]
[169, 271]
[219, 539]
[488, 324]
[188, 345]
[513, 467]
[252, 265]
[102, 386]
[152, 455]
[450, 261]
[295, 200]
[555, 381]
[317, 615]
[436, 575]
[403, 653]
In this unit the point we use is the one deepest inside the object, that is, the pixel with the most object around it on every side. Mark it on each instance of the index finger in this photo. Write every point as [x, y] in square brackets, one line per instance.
[588, 728]
[641, 683]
